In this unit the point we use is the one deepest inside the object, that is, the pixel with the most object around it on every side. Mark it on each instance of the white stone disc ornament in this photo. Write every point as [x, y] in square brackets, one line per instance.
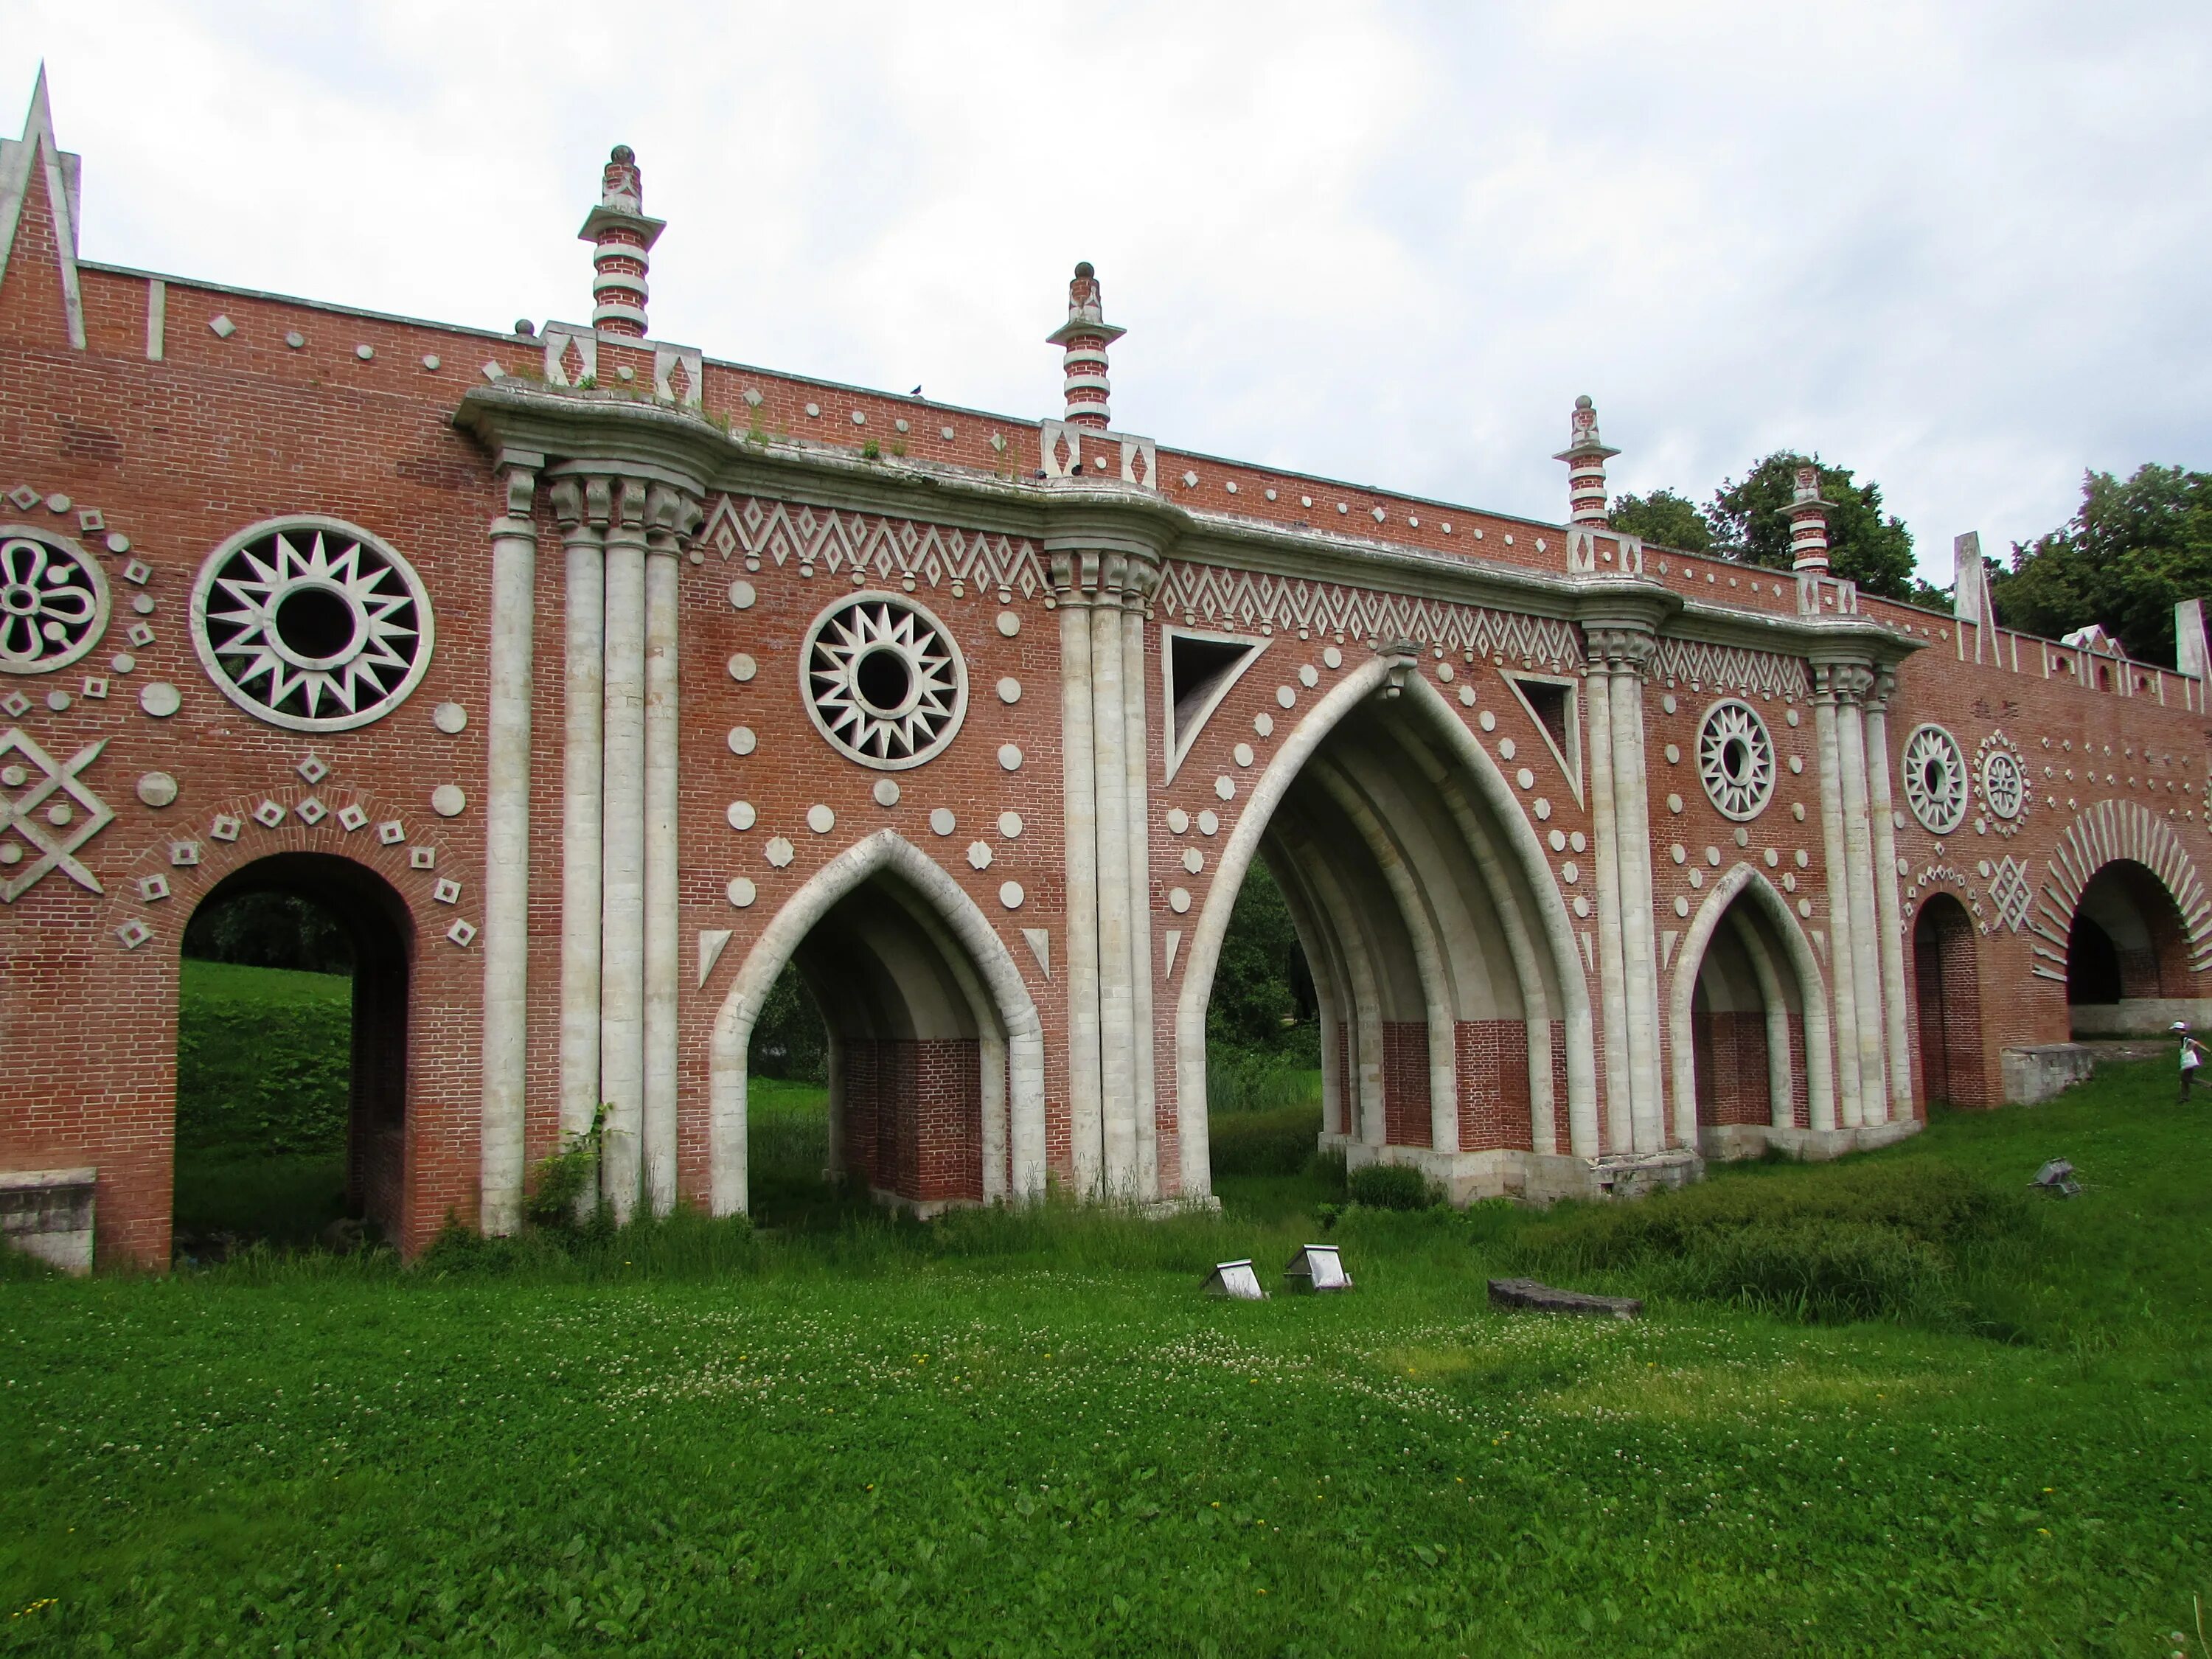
[53, 602]
[2004, 786]
[1736, 759]
[312, 623]
[1934, 779]
[883, 680]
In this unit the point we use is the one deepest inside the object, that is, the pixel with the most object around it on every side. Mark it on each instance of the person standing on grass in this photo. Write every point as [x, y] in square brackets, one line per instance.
[2192, 1057]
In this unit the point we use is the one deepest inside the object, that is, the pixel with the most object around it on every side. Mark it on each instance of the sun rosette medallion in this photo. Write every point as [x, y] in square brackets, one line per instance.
[1935, 779]
[53, 601]
[2005, 788]
[312, 623]
[883, 680]
[1736, 759]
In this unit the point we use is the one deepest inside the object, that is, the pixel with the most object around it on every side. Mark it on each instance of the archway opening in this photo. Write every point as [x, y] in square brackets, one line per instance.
[292, 1058]
[2127, 955]
[1946, 996]
[1263, 1074]
[787, 1110]
[1748, 1053]
[910, 1107]
[1438, 1005]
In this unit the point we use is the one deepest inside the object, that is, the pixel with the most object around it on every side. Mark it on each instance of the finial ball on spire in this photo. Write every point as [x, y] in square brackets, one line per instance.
[622, 155]
[1085, 270]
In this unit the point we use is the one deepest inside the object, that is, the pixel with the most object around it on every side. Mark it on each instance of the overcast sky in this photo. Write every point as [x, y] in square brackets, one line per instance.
[1962, 249]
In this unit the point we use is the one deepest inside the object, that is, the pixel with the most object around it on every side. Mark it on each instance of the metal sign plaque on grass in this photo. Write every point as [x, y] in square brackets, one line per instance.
[1318, 1267]
[1236, 1280]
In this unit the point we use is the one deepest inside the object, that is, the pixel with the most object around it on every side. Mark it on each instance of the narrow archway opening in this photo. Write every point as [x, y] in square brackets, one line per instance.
[1748, 1046]
[1947, 1004]
[793, 1183]
[2127, 956]
[875, 1072]
[291, 1059]
[1263, 1077]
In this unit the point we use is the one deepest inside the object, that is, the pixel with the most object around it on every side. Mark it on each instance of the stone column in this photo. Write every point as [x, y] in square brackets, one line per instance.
[622, 897]
[1853, 683]
[1639, 956]
[1141, 581]
[1896, 989]
[1080, 823]
[1605, 871]
[506, 844]
[1843, 994]
[583, 507]
[1117, 1032]
[670, 517]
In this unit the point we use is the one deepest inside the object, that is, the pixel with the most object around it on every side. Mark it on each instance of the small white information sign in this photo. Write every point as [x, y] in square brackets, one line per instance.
[1318, 1267]
[1236, 1280]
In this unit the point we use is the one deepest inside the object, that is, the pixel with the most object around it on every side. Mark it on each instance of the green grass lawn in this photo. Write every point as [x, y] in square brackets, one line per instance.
[1030, 1434]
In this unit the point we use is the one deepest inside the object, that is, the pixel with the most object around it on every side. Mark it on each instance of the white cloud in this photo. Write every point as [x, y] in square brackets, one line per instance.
[1958, 249]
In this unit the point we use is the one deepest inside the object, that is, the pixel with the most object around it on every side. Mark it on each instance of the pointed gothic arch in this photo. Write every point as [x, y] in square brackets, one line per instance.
[932, 928]
[1409, 953]
[1741, 886]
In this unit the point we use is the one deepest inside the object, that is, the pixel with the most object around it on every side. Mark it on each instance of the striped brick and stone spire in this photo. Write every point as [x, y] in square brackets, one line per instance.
[1084, 339]
[1585, 455]
[624, 237]
[1809, 524]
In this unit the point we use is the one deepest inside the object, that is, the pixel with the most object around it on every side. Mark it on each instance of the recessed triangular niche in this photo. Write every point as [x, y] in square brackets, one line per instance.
[1198, 670]
[1554, 702]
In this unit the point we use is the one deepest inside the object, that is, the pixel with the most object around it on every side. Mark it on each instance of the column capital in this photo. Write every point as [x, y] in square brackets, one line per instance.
[581, 503]
[672, 515]
[1621, 648]
[1843, 681]
[1884, 687]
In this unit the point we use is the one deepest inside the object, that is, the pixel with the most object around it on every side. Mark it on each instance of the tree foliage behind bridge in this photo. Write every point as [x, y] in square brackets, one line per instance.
[2134, 548]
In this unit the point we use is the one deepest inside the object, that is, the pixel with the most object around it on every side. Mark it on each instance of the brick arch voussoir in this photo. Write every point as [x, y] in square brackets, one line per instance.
[2113, 832]
[160, 894]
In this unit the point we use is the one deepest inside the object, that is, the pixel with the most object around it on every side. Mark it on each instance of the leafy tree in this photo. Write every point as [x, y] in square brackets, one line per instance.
[2132, 550]
[1261, 989]
[270, 930]
[789, 1039]
[1665, 520]
[1751, 523]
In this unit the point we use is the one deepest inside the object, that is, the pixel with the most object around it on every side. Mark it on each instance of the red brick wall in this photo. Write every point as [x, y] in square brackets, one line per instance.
[1947, 1006]
[1493, 1084]
[1405, 1083]
[1733, 1085]
[914, 1117]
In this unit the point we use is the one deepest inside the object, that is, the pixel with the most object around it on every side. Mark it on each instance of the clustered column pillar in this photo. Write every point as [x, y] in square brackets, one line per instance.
[1605, 862]
[1113, 1085]
[1852, 685]
[1836, 861]
[506, 843]
[1889, 909]
[584, 507]
[619, 955]
[1631, 813]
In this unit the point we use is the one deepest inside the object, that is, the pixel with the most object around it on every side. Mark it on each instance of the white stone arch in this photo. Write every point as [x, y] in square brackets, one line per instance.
[1243, 845]
[1006, 1000]
[1812, 993]
[2115, 831]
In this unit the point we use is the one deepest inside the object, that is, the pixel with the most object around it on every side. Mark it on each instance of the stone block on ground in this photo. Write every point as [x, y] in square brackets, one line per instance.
[1528, 1294]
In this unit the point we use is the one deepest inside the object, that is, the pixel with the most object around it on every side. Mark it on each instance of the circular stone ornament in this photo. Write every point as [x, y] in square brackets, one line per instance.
[449, 800]
[157, 788]
[1736, 759]
[53, 601]
[883, 680]
[2004, 785]
[450, 718]
[159, 699]
[312, 623]
[1934, 779]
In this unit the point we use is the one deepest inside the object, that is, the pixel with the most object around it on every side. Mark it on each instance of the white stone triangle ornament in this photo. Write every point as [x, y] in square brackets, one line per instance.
[1173, 937]
[1040, 940]
[713, 941]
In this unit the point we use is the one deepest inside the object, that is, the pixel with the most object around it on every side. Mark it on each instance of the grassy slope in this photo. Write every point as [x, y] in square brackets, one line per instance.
[1030, 1435]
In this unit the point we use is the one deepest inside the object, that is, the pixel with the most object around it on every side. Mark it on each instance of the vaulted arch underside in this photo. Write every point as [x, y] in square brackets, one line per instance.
[936, 1054]
[1454, 1019]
